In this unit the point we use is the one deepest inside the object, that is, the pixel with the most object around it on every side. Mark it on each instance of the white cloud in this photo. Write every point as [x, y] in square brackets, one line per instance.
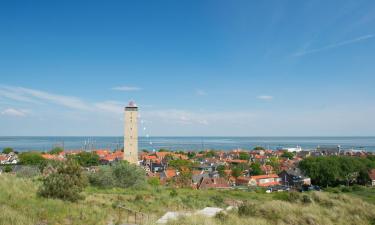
[14, 112]
[265, 97]
[200, 92]
[335, 45]
[126, 88]
[110, 106]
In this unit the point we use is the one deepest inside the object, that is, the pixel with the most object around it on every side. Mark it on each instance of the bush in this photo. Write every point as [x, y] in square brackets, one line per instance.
[8, 169]
[306, 199]
[222, 216]
[246, 209]
[121, 174]
[31, 158]
[154, 181]
[56, 151]
[217, 199]
[173, 193]
[293, 196]
[86, 159]
[66, 183]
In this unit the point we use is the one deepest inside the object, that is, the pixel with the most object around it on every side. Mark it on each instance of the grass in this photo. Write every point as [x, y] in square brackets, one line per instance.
[20, 205]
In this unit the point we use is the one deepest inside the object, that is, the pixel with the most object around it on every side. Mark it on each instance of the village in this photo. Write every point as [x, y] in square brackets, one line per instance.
[272, 170]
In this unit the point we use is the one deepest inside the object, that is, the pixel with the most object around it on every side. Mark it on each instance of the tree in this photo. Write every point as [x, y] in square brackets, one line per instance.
[255, 169]
[210, 154]
[86, 159]
[56, 151]
[221, 170]
[179, 163]
[244, 156]
[236, 172]
[288, 155]
[275, 163]
[31, 158]
[259, 148]
[7, 150]
[66, 183]
[163, 150]
[191, 155]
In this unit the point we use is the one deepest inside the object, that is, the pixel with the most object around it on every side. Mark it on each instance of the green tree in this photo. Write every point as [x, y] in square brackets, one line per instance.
[259, 148]
[288, 155]
[154, 181]
[179, 163]
[236, 172]
[163, 150]
[31, 158]
[66, 183]
[221, 170]
[210, 154]
[86, 159]
[191, 155]
[7, 150]
[255, 169]
[244, 156]
[56, 151]
[275, 163]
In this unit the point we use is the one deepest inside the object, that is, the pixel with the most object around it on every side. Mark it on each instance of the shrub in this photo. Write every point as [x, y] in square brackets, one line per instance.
[217, 199]
[154, 181]
[66, 183]
[31, 158]
[173, 193]
[56, 151]
[246, 209]
[122, 174]
[293, 196]
[8, 169]
[86, 159]
[306, 199]
[222, 216]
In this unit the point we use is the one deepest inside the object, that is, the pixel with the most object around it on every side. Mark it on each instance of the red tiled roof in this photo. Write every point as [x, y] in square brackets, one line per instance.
[170, 173]
[3, 157]
[264, 176]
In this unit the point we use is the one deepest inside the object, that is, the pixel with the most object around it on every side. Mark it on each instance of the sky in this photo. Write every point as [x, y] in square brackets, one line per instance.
[194, 68]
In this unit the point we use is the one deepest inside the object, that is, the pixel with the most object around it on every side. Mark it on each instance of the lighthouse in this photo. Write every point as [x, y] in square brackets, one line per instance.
[131, 133]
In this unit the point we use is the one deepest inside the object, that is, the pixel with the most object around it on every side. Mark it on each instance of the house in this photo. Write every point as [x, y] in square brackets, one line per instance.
[242, 181]
[197, 176]
[264, 180]
[168, 174]
[329, 150]
[267, 169]
[218, 183]
[294, 177]
[371, 175]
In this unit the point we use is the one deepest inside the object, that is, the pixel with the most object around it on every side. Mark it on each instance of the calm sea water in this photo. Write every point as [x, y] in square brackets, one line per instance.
[186, 143]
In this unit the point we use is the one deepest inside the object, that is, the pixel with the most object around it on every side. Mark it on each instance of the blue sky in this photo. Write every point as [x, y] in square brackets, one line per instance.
[247, 68]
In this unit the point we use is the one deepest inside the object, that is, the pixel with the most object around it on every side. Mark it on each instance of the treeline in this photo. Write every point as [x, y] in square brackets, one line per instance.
[338, 170]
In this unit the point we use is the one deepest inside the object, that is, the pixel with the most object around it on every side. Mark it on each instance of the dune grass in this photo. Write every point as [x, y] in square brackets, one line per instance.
[20, 205]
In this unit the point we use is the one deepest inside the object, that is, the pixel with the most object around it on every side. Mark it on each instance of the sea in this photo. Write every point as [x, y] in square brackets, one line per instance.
[45, 143]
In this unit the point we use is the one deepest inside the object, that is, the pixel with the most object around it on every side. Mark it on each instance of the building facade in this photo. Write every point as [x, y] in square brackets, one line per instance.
[131, 133]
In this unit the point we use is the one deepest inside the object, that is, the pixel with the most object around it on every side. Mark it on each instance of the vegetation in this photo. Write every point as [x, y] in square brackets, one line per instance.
[257, 148]
[66, 183]
[336, 170]
[31, 158]
[244, 156]
[122, 174]
[255, 169]
[7, 169]
[86, 159]
[288, 155]
[236, 172]
[56, 151]
[221, 170]
[20, 205]
[7, 150]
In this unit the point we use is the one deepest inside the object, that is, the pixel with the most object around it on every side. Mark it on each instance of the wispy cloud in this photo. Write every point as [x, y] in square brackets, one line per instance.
[126, 88]
[200, 92]
[335, 45]
[265, 97]
[14, 112]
